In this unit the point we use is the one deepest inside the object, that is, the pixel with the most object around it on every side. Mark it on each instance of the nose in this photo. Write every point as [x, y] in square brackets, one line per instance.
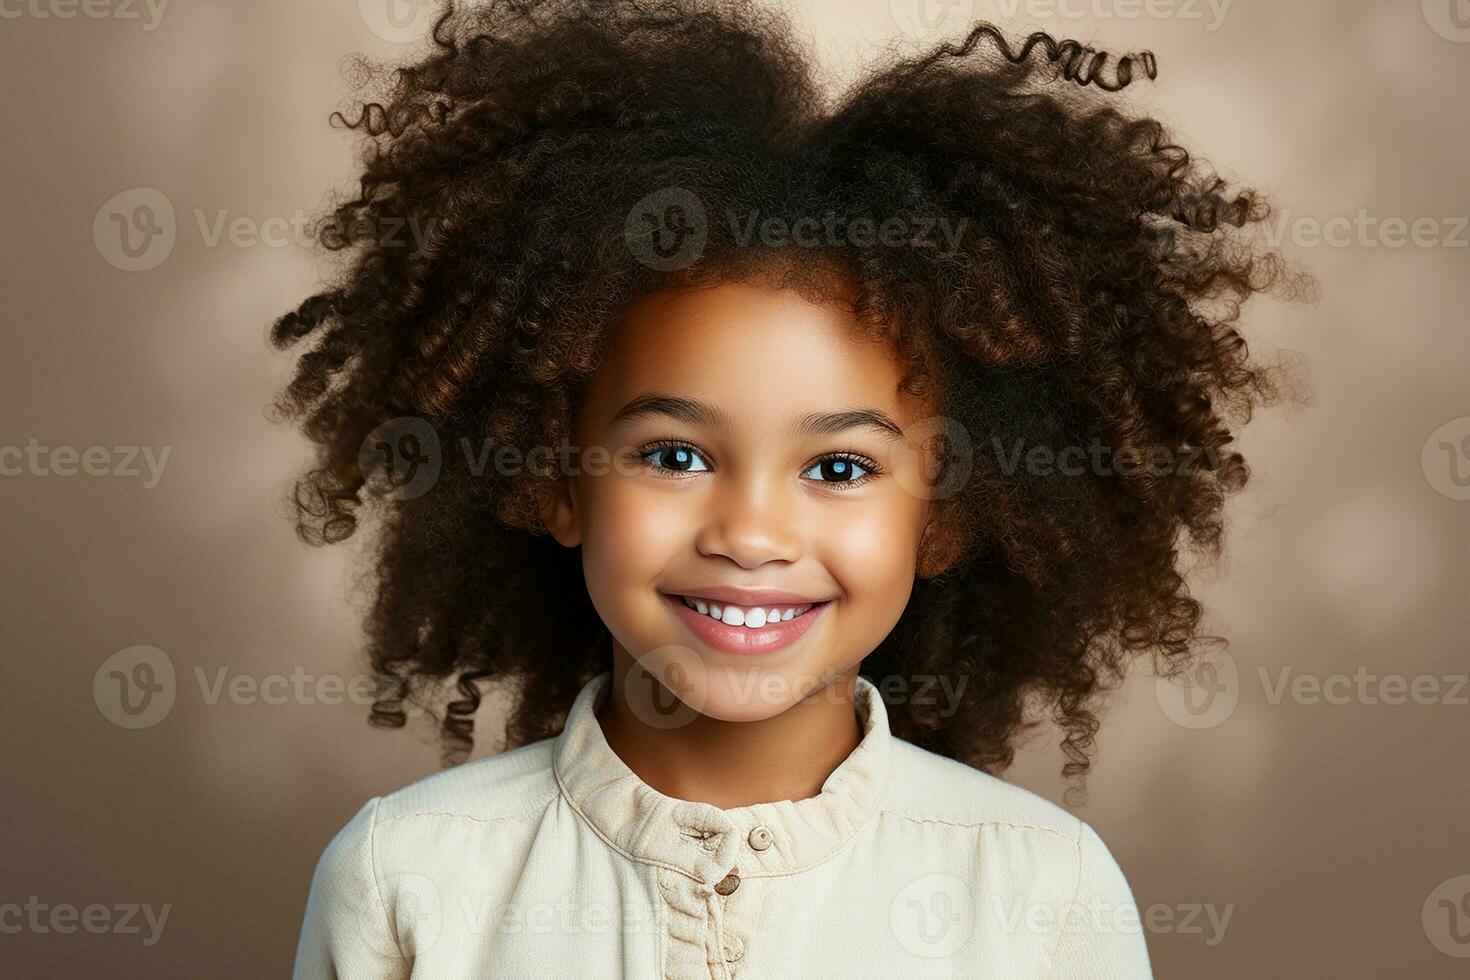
[751, 522]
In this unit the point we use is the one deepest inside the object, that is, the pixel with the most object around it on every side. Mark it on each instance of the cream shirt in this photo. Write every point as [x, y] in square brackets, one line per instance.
[555, 860]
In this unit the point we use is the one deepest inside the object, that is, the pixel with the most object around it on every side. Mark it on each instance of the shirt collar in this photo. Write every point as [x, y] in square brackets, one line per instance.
[702, 840]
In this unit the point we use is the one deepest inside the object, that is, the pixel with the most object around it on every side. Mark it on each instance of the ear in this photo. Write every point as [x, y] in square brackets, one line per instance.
[559, 512]
[940, 546]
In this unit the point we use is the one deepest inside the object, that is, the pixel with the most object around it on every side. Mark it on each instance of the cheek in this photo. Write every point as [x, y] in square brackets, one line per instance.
[871, 552]
[628, 539]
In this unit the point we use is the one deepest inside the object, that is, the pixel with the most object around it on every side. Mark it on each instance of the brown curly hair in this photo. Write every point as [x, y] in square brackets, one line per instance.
[1089, 301]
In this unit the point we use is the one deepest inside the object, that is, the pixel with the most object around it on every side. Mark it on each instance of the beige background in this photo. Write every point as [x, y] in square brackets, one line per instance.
[1321, 829]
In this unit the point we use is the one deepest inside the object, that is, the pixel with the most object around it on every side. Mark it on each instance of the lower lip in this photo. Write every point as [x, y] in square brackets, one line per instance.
[742, 639]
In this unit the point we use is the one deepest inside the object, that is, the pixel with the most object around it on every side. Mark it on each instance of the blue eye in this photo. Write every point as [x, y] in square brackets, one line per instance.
[839, 469]
[676, 458]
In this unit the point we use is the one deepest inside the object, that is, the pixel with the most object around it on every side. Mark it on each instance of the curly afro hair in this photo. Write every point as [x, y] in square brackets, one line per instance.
[1087, 304]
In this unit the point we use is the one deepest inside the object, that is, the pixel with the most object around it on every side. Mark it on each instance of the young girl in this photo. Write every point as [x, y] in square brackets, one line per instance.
[779, 462]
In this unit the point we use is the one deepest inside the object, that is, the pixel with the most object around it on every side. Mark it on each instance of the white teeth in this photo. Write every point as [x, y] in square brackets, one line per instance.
[753, 618]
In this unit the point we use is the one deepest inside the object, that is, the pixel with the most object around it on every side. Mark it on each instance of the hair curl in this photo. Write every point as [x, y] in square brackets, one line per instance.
[1088, 302]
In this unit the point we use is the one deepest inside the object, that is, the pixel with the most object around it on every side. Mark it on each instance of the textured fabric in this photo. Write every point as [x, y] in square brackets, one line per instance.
[555, 860]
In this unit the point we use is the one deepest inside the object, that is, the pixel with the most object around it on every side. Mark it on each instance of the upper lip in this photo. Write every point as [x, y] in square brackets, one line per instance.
[763, 598]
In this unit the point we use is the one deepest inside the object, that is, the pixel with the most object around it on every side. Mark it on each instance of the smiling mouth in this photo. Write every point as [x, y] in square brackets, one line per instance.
[735, 631]
[749, 617]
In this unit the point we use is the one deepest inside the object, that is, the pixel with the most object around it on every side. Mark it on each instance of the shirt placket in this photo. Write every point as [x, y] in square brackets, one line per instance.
[727, 853]
[703, 858]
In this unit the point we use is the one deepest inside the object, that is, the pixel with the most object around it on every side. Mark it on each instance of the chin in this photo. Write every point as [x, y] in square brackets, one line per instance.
[740, 700]
[726, 691]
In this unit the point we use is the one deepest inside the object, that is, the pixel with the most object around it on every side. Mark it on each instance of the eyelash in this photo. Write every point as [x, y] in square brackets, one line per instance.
[872, 469]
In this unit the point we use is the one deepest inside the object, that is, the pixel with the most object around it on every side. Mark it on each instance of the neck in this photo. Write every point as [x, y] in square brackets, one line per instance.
[731, 764]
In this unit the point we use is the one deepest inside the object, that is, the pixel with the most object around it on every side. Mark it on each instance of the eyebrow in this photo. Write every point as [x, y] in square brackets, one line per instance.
[696, 412]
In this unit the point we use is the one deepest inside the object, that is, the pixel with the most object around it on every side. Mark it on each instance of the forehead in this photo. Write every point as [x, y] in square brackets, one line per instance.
[761, 353]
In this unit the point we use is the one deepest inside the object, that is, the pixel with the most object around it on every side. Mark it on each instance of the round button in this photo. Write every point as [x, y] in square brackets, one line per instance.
[760, 838]
[734, 949]
[728, 884]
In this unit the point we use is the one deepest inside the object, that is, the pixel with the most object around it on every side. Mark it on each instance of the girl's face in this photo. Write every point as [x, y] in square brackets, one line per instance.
[745, 447]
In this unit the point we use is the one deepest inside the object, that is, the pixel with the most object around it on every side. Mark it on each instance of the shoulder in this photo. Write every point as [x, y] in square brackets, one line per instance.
[930, 787]
[1025, 845]
[1012, 823]
[472, 798]
[398, 844]
[509, 786]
